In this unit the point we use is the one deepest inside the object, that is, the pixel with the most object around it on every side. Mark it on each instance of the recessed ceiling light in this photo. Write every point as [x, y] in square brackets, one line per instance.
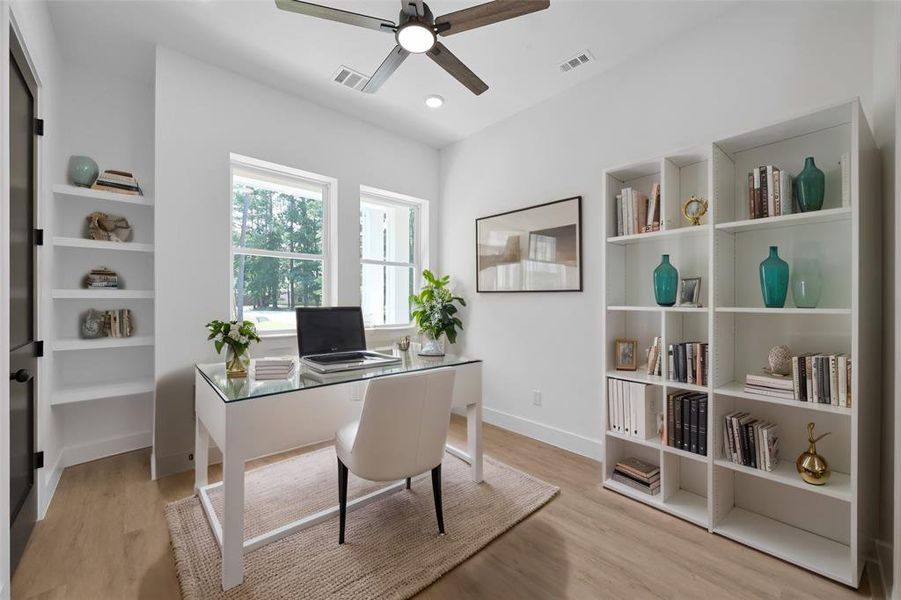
[434, 101]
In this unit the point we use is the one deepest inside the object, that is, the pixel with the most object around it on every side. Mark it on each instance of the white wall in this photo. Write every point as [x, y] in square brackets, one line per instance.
[203, 113]
[723, 78]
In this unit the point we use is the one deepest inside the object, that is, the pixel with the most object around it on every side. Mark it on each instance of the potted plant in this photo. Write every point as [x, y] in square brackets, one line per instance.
[236, 336]
[435, 313]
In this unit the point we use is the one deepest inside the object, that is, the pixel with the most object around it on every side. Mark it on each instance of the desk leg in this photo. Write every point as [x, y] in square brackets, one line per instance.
[201, 454]
[233, 520]
[474, 439]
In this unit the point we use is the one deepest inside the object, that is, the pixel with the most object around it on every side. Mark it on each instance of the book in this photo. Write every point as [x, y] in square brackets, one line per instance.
[702, 426]
[651, 491]
[777, 191]
[770, 196]
[638, 467]
[693, 425]
[619, 214]
[686, 424]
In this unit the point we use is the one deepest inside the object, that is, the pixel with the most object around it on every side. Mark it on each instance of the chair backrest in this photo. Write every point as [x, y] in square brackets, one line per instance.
[403, 427]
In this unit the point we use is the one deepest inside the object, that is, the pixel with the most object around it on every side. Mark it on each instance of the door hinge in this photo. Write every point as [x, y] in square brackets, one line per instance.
[39, 460]
[39, 126]
[38, 237]
[39, 348]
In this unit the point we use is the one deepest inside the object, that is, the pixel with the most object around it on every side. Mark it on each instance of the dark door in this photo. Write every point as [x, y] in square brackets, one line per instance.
[22, 362]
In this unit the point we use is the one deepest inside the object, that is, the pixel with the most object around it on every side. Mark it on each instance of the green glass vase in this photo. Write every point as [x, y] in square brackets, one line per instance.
[810, 187]
[807, 282]
[774, 279]
[666, 277]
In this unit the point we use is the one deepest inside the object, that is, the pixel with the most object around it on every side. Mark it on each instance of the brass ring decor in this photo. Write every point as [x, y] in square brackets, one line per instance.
[693, 209]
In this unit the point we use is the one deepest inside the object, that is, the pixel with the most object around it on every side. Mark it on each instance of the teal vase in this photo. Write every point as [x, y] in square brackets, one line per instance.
[666, 277]
[807, 282]
[810, 187]
[83, 171]
[774, 279]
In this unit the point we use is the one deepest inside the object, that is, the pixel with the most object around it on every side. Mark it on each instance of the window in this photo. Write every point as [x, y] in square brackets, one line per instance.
[391, 252]
[279, 229]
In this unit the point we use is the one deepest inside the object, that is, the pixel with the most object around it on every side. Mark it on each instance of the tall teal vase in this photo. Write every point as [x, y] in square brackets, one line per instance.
[774, 279]
[666, 277]
[810, 187]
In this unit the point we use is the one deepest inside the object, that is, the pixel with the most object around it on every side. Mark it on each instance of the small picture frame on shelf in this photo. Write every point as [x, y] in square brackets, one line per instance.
[626, 355]
[690, 291]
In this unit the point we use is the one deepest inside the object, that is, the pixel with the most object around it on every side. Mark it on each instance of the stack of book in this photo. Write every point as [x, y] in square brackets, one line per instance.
[686, 422]
[274, 368]
[638, 475]
[750, 442]
[774, 386]
[769, 192]
[688, 362]
[118, 323]
[101, 277]
[631, 408]
[122, 182]
[636, 213]
[822, 378]
[655, 358]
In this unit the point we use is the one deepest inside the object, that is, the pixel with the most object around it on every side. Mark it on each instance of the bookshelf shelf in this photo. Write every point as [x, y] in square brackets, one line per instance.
[838, 487]
[65, 345]
[650, 443]
[828, 215]
[72, 191]
[70, 242]
[821, 528]
[736, 390]
[102, 294]
[84, 393]
[813, 552]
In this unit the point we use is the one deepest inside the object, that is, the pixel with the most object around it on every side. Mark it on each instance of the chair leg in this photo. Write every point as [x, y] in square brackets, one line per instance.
[436, 491]
[342, 499]
[408, 482]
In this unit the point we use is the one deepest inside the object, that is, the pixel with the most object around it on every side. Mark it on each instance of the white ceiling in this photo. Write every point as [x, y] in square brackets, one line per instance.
[518, 58]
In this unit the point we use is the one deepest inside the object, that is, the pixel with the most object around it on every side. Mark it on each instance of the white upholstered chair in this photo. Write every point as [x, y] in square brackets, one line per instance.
[401, 433]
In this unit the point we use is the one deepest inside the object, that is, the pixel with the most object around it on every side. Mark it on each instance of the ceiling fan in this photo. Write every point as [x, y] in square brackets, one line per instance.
[417, 32]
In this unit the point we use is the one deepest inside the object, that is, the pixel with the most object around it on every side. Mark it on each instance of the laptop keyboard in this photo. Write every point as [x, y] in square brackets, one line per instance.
[337, 358]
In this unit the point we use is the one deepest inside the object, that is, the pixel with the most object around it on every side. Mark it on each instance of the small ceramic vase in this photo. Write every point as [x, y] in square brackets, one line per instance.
[810, 187]
[83, 171]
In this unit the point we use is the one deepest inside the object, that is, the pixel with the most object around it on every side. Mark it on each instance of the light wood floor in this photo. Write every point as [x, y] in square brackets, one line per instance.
[105, 537]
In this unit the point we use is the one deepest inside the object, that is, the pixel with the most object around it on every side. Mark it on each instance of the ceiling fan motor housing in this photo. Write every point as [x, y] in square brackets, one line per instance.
[420, 36]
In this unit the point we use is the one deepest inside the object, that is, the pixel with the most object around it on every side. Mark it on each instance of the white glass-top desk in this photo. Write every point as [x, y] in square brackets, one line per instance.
[247, 419]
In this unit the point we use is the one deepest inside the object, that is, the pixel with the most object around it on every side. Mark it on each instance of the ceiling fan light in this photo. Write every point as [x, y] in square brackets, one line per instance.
[416, 38]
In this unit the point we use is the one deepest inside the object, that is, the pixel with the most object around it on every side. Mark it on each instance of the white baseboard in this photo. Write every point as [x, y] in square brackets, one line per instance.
[51, 480]
[573, 442]
[884, 562]
[82, 453]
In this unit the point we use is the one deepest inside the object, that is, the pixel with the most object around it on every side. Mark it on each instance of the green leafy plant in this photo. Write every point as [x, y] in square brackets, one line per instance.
[434, 310]
[235, 334]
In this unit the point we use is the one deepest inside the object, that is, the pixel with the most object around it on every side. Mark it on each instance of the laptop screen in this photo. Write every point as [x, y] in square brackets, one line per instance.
[330, 329]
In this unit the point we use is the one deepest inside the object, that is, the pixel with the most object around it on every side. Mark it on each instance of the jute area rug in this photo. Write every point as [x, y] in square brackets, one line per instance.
[392, 548]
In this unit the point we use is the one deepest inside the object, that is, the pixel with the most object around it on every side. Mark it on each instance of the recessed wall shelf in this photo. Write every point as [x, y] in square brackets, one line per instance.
[102, 294]
[821, 528]
[70, 242]
[73, 191]
[65, 345]
[85, 393]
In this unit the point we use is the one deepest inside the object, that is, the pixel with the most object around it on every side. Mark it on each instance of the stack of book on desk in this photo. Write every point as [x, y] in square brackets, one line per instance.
[638, 475]
[274, 368]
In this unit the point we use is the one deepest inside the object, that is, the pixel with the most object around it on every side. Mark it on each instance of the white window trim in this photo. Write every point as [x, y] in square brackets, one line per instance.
[420, 247]
[329, 228]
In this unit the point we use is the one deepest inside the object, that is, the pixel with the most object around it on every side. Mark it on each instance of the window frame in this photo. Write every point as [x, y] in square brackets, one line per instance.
[420, 243]
[284, 175]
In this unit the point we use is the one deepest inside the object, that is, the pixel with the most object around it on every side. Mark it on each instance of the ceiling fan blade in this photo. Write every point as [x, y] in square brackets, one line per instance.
[386, 69]
[486, 14]
[334, 14]
[450, 63]
[413, 8]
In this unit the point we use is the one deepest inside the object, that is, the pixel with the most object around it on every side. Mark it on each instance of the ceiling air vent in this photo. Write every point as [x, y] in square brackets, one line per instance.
[350, 78]
[576, 61]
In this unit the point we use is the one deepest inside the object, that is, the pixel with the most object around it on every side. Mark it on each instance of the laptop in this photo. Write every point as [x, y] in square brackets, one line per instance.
[332, 339]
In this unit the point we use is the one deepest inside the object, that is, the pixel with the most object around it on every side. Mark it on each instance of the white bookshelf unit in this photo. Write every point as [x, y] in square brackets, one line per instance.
[83, 370]
[826, 529]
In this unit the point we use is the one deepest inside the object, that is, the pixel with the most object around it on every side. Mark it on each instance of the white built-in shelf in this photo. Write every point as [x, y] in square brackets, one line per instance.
[785, 473]
[625, 490]
[702, 458]
[653, 442]
[688, 505]
[70, 242]
[73, 191]
[814, 552]
[687, 386]
[84, 393]
[102, 294]
[750, 310]
[657, 309]
[65, 345]
[809, 218]
[736, 390]
[639, 376]
[656, 235]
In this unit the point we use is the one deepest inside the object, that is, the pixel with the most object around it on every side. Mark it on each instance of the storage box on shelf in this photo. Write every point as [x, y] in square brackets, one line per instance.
[90, 369]
[822, 528]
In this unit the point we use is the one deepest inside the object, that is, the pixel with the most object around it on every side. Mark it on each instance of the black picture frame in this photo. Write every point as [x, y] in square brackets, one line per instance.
[578, 248]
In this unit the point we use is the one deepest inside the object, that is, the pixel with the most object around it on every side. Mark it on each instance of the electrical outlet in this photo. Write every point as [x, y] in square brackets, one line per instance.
[536, 397]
